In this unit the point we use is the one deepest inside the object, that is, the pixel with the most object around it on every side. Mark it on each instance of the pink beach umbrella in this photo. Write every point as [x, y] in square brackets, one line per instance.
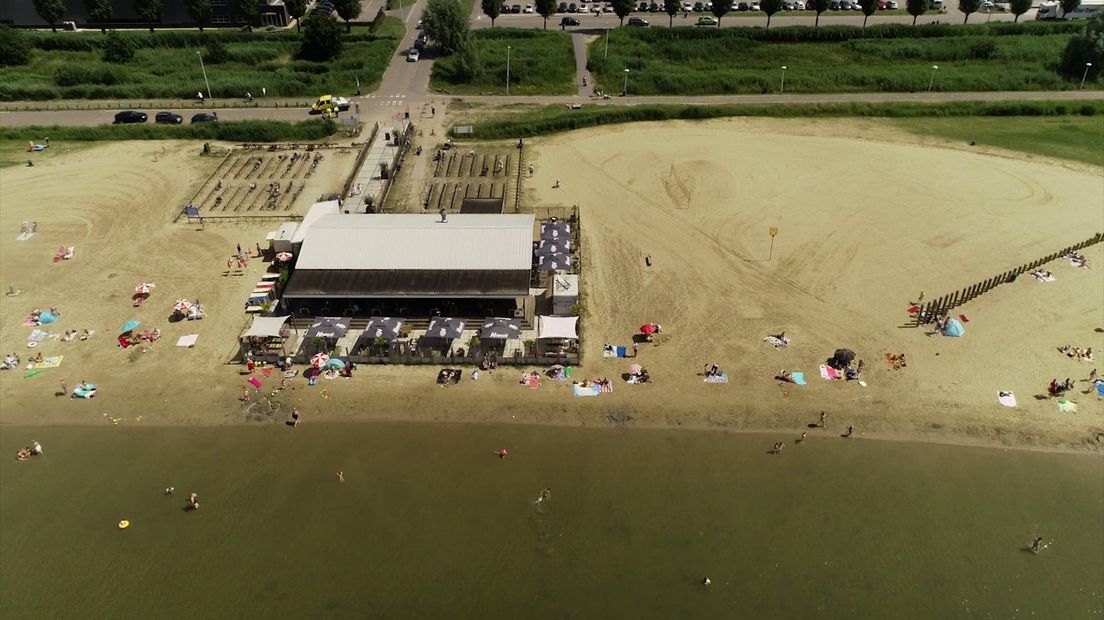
[319, 360]
[283, 257]
[144, 288]
[634, 369]
[182, 305]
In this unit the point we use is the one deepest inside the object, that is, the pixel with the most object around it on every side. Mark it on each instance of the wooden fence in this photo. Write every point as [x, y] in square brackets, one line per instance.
[940, 306]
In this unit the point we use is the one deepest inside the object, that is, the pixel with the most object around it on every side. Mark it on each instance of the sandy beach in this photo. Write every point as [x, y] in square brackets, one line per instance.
[868, 219]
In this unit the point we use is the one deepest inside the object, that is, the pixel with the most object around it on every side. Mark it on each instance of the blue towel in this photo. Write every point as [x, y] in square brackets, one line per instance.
[1100, 389]
[799, 378]
[622, 352]
[591, 390]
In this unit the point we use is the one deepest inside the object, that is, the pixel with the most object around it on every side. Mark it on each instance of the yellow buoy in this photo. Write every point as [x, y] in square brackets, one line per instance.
[124, 524]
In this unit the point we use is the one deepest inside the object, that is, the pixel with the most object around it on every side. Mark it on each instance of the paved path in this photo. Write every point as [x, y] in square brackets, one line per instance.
[393, 108]
[582, 76]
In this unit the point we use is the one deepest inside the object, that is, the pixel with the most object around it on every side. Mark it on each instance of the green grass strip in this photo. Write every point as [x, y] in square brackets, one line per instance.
[237, 131]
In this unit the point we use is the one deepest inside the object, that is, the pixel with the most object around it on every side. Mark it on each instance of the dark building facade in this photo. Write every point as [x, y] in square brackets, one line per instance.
[21, 14]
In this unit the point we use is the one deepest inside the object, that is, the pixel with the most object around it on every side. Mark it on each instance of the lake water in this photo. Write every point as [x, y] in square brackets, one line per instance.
[431, 524]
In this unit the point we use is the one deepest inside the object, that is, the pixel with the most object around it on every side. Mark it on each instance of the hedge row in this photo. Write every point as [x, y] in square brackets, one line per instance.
[91, 41]
[240, 131]
[555, 119]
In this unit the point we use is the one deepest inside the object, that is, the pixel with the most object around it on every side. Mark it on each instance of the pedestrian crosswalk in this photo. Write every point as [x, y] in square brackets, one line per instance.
[391, 100]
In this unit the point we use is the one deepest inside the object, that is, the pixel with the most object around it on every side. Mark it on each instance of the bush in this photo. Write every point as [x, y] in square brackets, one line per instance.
[214, 52]
[983, 50]
[1084, 47]
[77, 75]
[14, 48]
[117, 49]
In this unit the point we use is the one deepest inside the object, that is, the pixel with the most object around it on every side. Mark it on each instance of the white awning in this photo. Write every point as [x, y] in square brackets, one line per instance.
[265, 326]
[557, 327]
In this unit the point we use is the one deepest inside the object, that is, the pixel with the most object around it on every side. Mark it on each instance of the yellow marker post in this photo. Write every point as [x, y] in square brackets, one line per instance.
[773, 231]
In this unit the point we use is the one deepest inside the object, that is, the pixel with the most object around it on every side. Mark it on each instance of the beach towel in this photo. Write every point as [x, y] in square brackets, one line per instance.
[23, 236]
[87, 392]
[30, 321]
[255, 382]
[288, 374]
[776, 342]
[590, 390]
[534, 382]
[266, 372]
[1008, 399]
[798, 378]
[1067, 406]
[31, 373]
[622, 351]
[828, 373]
[570, 370]
[187, 341]
[49, 362]
[607, 388]
[1100, 388]
[721, 378]
[962, 317]
[38, 335]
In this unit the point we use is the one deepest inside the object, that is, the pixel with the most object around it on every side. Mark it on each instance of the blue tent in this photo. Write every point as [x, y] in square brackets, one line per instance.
[954, 329]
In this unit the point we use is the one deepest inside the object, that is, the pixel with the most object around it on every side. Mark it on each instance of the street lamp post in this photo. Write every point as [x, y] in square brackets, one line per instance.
[204, 70]
[625, 90]
[507, 70]
[932, 80]
[782, 89]
[605, 54]
[401, 17]
[1085, 75]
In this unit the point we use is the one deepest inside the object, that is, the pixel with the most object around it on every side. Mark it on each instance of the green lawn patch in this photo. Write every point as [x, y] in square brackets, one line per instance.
[237, 131]
[1078, 138]
[541, 63]
[700, 61]
[165, 65]
[554, 119]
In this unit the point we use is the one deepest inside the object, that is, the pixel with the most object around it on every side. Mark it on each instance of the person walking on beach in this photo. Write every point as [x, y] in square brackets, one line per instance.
[803, 436]
[823, 419]
[1037, 544]
[850, 430]
[636, 348]
[64, 387]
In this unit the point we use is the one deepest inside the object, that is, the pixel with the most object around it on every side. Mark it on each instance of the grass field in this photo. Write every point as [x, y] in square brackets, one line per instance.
[541, 63]
[718, 62]
[233, 131]
[1077, 138]
[1071, 131]
[169, 68]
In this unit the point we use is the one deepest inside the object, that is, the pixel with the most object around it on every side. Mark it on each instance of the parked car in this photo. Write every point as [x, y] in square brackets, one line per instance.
[637, 22]
[413, 55]
[834, 5]
[572, 8]
[528, 8]
[168, 118]
[562, 8]
[516, 8]
[741, 6]
[698, 7]
[421, 41]
[205, 117]
[568, 21]
[607, 8]
[707, 20]
[654, 8]
[892, 4]
[127, 117]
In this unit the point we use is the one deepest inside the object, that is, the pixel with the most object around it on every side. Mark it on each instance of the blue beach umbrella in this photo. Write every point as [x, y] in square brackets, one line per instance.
[46, 318]
[334, 363]
[131, 325]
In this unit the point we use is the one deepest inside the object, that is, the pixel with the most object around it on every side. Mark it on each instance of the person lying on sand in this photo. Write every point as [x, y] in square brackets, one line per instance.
[784, 375]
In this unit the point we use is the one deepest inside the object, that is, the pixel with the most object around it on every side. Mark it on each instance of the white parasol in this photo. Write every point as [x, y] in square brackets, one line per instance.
[144, 288]
[319, 360]
[182, 305]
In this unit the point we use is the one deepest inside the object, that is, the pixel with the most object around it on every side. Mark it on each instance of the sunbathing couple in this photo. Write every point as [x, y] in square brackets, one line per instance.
[70, 334]
[490, 361]
[896, 362]
[640, 377]
[1057, 389]
[1082, 355]
[11, 362]
[602, 383]
[1078, 260]
[27, 452]
[1043, 275]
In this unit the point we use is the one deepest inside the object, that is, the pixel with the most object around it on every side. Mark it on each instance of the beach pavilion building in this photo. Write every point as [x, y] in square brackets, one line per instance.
[414, 266]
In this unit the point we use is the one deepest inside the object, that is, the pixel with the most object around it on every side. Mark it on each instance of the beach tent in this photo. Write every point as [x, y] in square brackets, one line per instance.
[266, 326]
[557, 327]
[501, 329]
[954, 329]
[841, 358]
[445, 328]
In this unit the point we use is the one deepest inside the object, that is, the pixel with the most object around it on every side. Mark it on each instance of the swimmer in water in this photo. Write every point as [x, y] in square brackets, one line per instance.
[544, 494]
[193, 501]
[1037, 544]
[341, 476]
[170, 490]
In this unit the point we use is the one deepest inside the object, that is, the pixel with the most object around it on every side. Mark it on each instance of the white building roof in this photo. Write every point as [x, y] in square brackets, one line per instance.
[557, 327]
[415, 241]
[283, 233]
[316, 212]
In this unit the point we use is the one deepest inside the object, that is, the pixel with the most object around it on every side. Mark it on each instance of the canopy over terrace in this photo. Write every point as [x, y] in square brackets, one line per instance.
[331, 328]
[501, 329]
[268, 338]
[557, 327]
[414, 265]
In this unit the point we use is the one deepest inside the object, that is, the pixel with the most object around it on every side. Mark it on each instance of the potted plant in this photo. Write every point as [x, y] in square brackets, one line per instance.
[381, 345]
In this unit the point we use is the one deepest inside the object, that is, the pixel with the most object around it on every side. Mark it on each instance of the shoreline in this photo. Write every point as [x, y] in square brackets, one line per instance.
[915, 436]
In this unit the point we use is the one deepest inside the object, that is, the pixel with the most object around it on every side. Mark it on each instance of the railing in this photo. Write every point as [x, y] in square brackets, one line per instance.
[940, 306]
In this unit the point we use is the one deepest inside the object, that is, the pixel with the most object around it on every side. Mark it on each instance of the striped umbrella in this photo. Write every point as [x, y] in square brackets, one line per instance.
[182, 305]
[144, 288]
[283, 257]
